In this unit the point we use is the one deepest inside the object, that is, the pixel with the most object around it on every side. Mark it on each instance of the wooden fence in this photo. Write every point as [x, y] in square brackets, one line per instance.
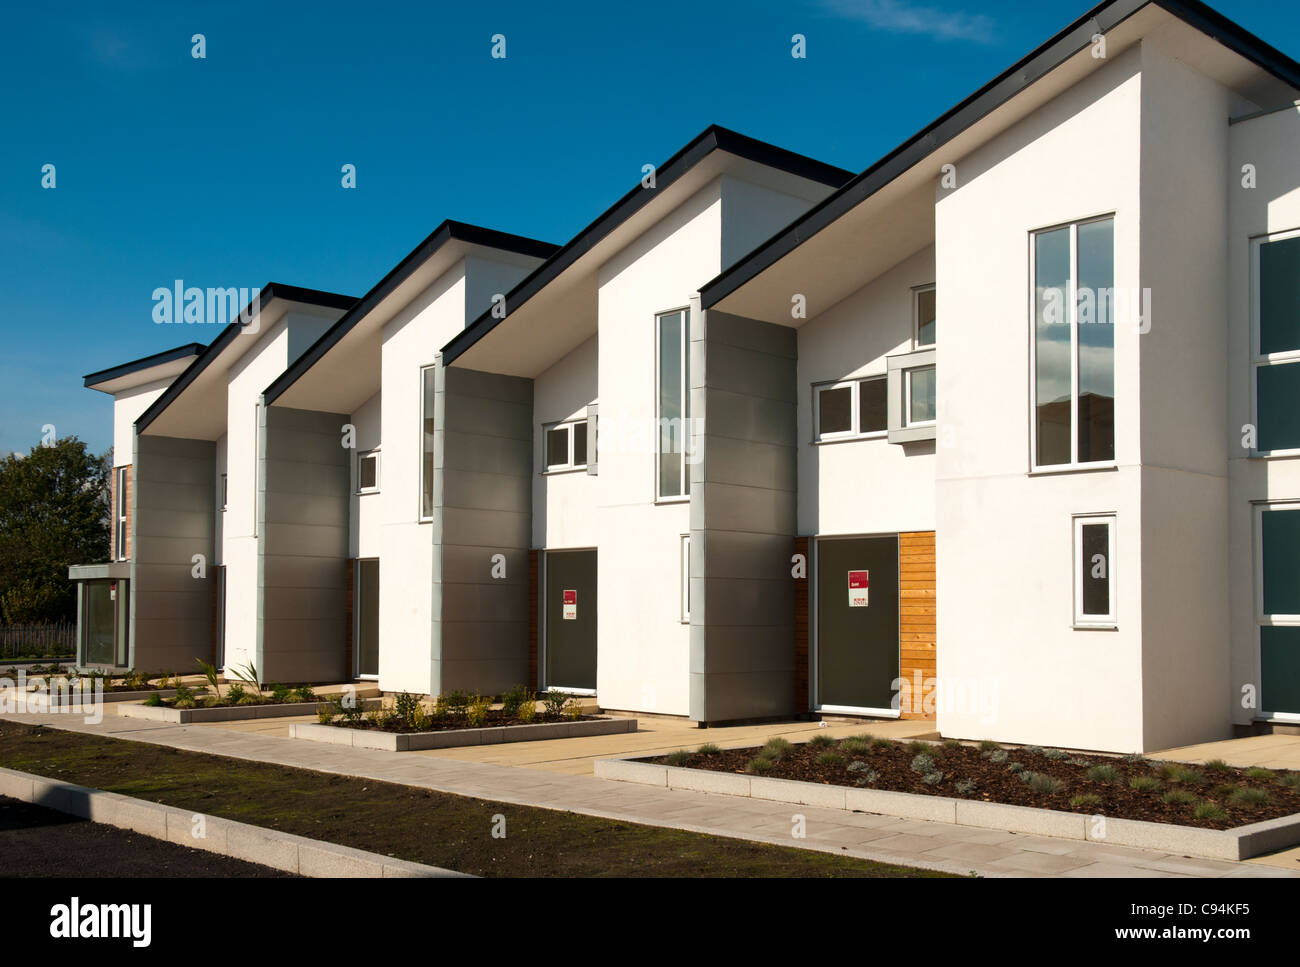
[54, 640]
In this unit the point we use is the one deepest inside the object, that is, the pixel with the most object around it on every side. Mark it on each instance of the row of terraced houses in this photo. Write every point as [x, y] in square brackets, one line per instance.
[1003, 430]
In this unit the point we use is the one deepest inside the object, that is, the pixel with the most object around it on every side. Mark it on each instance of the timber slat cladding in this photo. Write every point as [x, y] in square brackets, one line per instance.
[917, 626]
[534, 605]
[801, 694]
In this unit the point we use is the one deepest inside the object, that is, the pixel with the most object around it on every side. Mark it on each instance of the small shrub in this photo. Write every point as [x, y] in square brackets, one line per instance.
[185, 695]
[573, 710]
[235, 692]
[999, 756]
[1145, 784]
[858, 767]
[1033, 750]
[708, 748]
[1056, 754]
[250, 700]
[776, 747]
[405, 704]
[1179, 797]
[1015, 768]
[1209, 810]
[1177, 772]
[1291, 780]
[829, 758]
[917, 747]
[856, 744]
[477, 712]
[1103, 773]
[922, 763]
[1079, 761]
[1217, 765]
[419, 718]
[951, 744]
[305, 693]
[352, 709]
[882, 744]
[821, 741]
[987, 746]
[325, 713]
[1135, 759]
[512, 700]
[1024, 775]
[1045, 784]
[527, 712]
[1087, 800]
[453, 704]
[868, 778]
[280, 693]
[554, 703]
[759, 765]
[1249, 797]
[1259, 772]
[678, 758]
[932, 778]
[153, 701]
[964, 787]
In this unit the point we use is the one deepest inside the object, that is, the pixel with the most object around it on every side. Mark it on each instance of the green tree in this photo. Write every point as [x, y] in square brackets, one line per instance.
[53, 512]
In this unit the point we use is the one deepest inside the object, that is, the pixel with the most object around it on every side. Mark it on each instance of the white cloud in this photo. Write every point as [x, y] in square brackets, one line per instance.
[903, 17]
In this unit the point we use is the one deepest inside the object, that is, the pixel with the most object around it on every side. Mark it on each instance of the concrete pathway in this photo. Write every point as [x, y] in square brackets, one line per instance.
[940, 846]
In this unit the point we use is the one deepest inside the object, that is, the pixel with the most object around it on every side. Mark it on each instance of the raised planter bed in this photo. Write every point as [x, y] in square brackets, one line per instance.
[229, 713]
[363, 738]
[60, 698]
[1236, 844]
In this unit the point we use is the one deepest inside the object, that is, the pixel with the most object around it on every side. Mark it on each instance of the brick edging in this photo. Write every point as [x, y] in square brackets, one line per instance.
[241, 841]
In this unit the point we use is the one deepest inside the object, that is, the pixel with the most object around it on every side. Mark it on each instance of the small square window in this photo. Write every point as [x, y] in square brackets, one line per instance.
[566, 446]
[835, 410]
[368, 472]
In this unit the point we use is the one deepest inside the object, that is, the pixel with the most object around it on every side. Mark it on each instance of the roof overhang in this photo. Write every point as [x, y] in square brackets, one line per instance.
[862, 229]
[553, 310]
[341, 370]
[141, 372]
[194, 405]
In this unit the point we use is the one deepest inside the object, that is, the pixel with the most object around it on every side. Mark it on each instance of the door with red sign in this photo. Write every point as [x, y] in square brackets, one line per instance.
[856, 624]
[570, 620]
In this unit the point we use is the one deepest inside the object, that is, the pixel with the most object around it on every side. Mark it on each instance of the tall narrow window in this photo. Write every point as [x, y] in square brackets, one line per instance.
[1074, 344]
[924, 325]
[426, 443]
[920, 396]
[368, 472]
[1094, 572]
[1278, 609]
[673, 409]
[1277, 343]
[119, 512]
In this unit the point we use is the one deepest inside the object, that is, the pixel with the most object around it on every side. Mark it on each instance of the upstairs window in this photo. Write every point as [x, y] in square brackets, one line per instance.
[426, 443]
[924, 325]
[368, 472]
[1074, 344]
[566, 446]
[1276, 354]
[850, 409]
[119, 512]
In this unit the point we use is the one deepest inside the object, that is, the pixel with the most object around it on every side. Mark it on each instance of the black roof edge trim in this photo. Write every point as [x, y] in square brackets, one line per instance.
[145, 362]
[713, 138]
[231, 330]
[447, 231]
[992, 95]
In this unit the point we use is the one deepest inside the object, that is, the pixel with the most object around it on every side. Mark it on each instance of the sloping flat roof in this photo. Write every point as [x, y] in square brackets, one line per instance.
[712, 139]
[1055, 52]
[230, 332]
[444, 234]
[144, 363]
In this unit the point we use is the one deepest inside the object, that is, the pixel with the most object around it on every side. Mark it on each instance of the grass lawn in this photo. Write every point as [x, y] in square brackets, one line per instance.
[454, 832]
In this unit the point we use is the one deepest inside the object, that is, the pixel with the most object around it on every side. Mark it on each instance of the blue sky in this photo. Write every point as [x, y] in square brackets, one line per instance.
[225, 171]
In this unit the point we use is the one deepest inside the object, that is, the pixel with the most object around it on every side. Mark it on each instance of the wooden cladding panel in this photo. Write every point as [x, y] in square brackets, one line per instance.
[534, 608]
[802, 702]
[917, 629]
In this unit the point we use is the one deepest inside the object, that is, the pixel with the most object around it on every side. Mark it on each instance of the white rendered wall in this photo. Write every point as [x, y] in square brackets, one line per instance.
[128, 406]
[863, 486]
[1005, 538]
[563, 502]
[366, 511]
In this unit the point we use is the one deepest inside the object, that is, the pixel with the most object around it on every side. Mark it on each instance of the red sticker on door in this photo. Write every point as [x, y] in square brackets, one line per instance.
[858, 582]
[570, 606]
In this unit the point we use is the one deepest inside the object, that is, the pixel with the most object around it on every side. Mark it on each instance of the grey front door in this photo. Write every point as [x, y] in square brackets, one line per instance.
[857, 621]
[570, 611]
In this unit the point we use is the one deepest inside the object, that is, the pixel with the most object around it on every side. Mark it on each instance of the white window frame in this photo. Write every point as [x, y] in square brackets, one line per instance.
[855, 409]
[225, 492]
[908, 422]
[120, 512]
[575, 461]
[1107, 622]
[685, 555]
[1072, 300]
[420, 515]
[684, 482]
[362, 456]
[1262, 619]
[916, 317]
[1259, 360]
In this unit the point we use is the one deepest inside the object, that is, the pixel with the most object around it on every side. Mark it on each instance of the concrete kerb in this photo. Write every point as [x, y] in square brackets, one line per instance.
[1220, 844]
[229, 713]
[452, 738]
[268, 847]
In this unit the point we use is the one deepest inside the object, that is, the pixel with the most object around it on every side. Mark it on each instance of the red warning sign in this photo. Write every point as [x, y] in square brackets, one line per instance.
[858, 587]
[570, 606]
